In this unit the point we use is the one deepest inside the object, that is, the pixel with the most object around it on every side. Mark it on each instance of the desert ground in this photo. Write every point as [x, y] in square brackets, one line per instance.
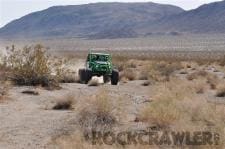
[166, 84]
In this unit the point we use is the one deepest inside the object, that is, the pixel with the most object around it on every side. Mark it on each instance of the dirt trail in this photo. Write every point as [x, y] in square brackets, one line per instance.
[27, 121]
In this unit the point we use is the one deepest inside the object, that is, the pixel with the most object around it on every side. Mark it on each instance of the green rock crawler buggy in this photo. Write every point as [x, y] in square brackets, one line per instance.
[99, 64]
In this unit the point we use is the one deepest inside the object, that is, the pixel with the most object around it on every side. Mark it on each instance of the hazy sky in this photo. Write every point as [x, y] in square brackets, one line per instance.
[14, 9]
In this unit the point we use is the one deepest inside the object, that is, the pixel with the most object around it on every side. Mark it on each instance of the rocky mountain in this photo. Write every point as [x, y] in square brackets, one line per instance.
[98, 20]
[117, 20]
[208, 18]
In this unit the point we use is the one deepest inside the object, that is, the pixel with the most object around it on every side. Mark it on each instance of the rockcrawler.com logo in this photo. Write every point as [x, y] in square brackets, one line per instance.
[149, 137]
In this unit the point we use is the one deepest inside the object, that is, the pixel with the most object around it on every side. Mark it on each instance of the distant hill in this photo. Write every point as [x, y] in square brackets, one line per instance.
[117, 20]
[209, 18]
[98, 20]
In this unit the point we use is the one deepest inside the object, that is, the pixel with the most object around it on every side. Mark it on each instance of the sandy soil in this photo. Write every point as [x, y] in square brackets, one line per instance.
[28, 121]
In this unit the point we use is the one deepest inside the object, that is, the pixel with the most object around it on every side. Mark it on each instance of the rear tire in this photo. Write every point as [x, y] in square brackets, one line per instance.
[82, 75]
[114, 77]
[88, 75]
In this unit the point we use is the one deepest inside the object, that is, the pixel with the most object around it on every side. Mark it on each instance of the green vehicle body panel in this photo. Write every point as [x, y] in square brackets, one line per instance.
[99, 63]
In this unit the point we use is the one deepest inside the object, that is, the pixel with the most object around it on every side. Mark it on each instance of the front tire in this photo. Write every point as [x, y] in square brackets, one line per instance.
[114, 77]
[85, 75]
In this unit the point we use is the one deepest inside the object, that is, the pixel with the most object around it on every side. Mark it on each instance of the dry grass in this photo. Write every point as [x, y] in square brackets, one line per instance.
[169, 99]
[164, 110]
[98, 113]
[3, 72]
[128, 74]
[213, 81]
[197, 74]
[69, 77]
[162, 70]
[200, 86]
[132, 63]
[65, 103]
[4, 92]
[161, 112]
[146, 69]
[143, 74]
[178, 106]
[119, 62]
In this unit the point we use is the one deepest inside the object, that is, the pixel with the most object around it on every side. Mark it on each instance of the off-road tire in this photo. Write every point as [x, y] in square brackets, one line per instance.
[114, 77]
[82, 75]
[88, 75]
[106, 78]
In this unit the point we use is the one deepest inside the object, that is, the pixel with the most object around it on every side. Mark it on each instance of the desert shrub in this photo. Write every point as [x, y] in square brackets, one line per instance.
[63, 74]
[161, 71]
[119, 62]
[161, 113]
[191, 76]
[65, 103]
[199, 86]
[68, 77]
[99, 113]
[212, 80]
[197, 74]
[120, 66]
[3, 92]
[4, 70]
[131, 64]
[143, 75]
[164, 110]
[33, 66]
[123, 62]
[3, 74]
[128, 74]
[222, 61]
[29, 66]
[220, 91]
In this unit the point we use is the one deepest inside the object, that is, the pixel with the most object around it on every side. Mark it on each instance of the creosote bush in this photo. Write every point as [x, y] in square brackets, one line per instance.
[29, 66]
[162, 70]
[165, 110]
[98, 114]
[33, 66]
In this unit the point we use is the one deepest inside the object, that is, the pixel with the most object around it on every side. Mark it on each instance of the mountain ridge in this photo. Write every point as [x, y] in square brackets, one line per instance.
[117, 20]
